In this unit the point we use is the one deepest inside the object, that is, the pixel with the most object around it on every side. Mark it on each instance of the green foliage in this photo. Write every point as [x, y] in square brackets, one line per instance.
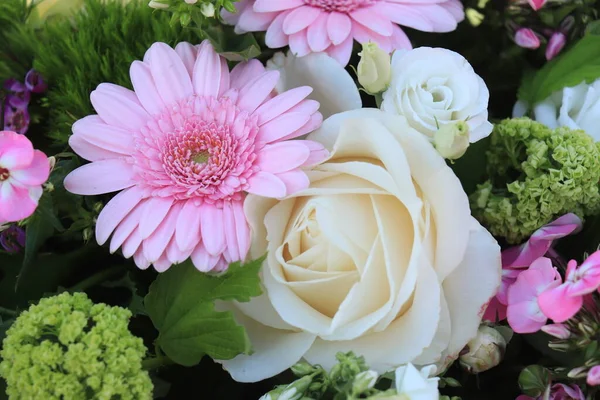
[202, 12]
[98, 46]
[181, 305]
[15, 56]
[580, 64]
[68, 347]
[536, 175]
[534, 380]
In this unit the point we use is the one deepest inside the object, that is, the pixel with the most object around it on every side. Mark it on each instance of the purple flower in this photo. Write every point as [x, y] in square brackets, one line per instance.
[527, 38]
[34, 82]
[555, 45]
[12, 239]
[16, 120]
[18, 96]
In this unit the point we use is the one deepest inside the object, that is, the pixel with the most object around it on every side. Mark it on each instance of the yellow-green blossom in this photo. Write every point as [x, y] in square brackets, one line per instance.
[66, 347]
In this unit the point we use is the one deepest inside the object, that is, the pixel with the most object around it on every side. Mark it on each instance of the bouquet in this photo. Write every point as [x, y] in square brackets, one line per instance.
[300, 199]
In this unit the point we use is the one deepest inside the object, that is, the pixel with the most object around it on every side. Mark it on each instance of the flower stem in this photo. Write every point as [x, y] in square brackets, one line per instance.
[95, 279]
[156, 362]
[9, 312]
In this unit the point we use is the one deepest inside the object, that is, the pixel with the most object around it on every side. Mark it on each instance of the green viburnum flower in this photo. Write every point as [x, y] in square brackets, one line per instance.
[67, 347]
[536, 174]
[186, 11]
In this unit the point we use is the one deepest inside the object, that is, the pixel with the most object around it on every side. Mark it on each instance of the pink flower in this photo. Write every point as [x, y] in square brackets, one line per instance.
[311, 26]
[559, 391]
[183, 149]
[536, 4]
[593, 376]
[563, 302]
[555, 45]
[517, 258]
[559, 331]
[23, 170]
[523, 312]
[527, 38]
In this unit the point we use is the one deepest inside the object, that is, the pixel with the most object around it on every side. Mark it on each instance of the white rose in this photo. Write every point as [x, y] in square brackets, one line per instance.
[416, 385]
[433, 87]
[379, 256]
[575, 107]
[333, 87]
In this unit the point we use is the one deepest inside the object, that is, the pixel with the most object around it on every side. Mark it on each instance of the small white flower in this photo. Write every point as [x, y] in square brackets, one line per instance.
[364, 380]
[417, 385]
[576, 107]
[432, 87]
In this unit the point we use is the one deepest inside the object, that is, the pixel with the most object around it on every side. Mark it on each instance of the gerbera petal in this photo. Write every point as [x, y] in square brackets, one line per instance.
[281, 103]
[275, 36]
[252, 21]
[313, 123]
[88, 151]
[212, 229]
[140, 260]
[399, 39]
[125, 229]
[174, 254]
[244, 72]
[207, 71]
[115, 211]
[119, 106]
[187, 233]
[318, 153]
[254, 93]
[36, 173]
[282, 126]
[99, 177]
[267, 185]
[93, 130]
[230, 230]
[342, 53]
[133, 245]
[372, 20]
[155, 212]
[299, 19]
[282, 156]
[294, 181]
[406, 15]
[145, 88]
[339, 27]
[243, 232]
[202, 260]
[187, 52]
[318, 39]
[299, 44]
[162, 264]
[276, 5]
[157, 243]
[170, 74]
[16, 151]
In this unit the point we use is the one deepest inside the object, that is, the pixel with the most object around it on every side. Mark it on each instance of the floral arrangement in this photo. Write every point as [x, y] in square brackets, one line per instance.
[300, 199]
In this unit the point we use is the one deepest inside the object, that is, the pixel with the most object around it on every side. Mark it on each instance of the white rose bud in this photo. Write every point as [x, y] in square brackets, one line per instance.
[485, 350]
[452, 140]
[208, 10]
[374, 68]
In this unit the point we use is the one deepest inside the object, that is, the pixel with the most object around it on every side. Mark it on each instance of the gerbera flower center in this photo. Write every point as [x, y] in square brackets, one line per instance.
[206, 150]
[343, 6]
[4, 174]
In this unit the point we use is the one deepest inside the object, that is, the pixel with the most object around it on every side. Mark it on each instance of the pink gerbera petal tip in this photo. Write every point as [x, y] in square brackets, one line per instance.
[183, 148]
[310, 26]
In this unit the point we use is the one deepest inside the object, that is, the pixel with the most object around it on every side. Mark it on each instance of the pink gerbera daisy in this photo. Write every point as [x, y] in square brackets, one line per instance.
[184, 147]
[310, 26]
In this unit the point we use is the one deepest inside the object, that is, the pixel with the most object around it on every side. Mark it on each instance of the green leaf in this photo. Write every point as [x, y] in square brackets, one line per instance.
[533, 380]
[136, 303]
[230, 45]
[181, 305]
[40, 227]
[581, 63]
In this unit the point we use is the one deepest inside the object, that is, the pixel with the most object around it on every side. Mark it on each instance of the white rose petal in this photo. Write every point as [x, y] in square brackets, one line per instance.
[333, 87]
[379, 256]
[433, 87]
[576, 107]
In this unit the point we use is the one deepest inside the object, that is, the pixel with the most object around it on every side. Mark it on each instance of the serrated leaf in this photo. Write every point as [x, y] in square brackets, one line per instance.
[180, 303]
[581, 63]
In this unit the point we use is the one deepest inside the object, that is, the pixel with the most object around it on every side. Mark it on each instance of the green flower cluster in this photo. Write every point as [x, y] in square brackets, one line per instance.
[66, 347]
[536, 174]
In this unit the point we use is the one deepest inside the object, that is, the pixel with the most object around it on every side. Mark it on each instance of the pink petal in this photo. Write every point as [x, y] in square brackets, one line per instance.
[369, 18]
[282, 126]
[406, 15]
[315, 122]
[593, 376]
[244, 72]
[525, 318]
[119, 107]
[557, 305]
[125, 229]
[187, 52]
[140, 260]
[282, 156]
[207, 71]
[170, 74]
[252, 21]
[536, 4]
[294, 181]
[363, 35]
[174, 254]
[255, 92]
[342, 52]
[526, 38]
[281, 103]
[225, 84]
[455, 8]
[15, 203]
[157, 243]
[318, 153]
[230, 230]
[318, 39]
[114, 211]
[266, 185]
[339, 27]
[243, 233]
[100, 177]
[187, 232]
[133, 244]
[202, 260]
[94, 131]
[212, 229]
[299, 19]
[88, 151]
[400, 40]
[275, 36]
[155, 212]
[162, 264]
[299, 44]
[276, 5]
[36, 173]
[145, 88]
[559, 331]
[441, 18]
[16, 151]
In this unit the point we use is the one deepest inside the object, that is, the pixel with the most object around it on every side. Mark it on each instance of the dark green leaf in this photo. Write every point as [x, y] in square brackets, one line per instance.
[581, 63]
[181, 305]
[40, 227]
[534, 379]
[230, 45]
[136, 303]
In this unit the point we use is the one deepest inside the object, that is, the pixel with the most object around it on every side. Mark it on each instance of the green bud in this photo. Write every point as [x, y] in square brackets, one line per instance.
[185, 19]
[485, 350]
[303, 368]
[374, 68]
[208, 10]
[452, 140]
[363, 381]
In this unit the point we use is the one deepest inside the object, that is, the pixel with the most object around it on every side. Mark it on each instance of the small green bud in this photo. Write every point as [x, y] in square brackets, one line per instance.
[185, 19]
[452, 140]
[208, 10]
[303, 368]
[363, 381]
[374, 68]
